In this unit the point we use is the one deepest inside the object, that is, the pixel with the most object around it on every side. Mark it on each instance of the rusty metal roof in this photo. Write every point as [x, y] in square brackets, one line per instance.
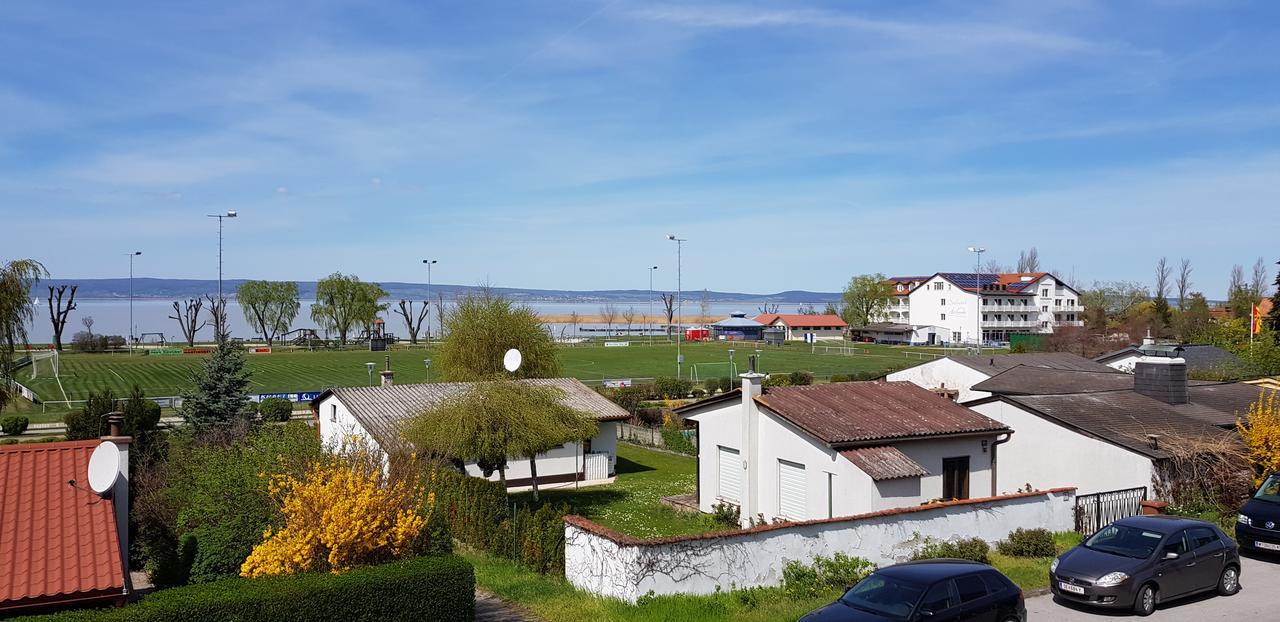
[382, 411]
[854, 412]
[57, 542]
[884, 462]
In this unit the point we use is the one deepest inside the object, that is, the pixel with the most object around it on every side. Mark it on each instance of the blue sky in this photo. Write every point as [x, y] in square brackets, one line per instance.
[554, 144]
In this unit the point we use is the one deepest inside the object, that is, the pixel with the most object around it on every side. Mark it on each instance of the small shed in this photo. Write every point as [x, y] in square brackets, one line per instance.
[697, 333]
[737, 327]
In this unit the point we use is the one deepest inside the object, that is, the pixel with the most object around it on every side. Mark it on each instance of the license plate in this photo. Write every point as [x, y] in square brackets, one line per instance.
[1067, 587]
[1267, 545]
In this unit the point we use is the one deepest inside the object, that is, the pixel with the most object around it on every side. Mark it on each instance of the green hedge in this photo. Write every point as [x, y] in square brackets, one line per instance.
[480, 514]
[440, 589]
[15, 425]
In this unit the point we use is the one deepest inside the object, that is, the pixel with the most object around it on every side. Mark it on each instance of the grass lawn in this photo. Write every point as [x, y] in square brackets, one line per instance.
[314, 371]
[1032, 573]
[552, 598]
[630, 505]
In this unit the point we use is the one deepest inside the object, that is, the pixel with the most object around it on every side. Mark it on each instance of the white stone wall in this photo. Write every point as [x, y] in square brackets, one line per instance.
[613, 565]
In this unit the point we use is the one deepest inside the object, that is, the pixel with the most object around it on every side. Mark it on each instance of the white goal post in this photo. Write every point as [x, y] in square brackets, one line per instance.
[44, 363]
[702, 371]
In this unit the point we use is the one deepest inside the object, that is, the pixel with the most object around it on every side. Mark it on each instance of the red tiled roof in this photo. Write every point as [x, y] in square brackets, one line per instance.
[852, 412]
[57, 543]
[800, 319]
[883, 462]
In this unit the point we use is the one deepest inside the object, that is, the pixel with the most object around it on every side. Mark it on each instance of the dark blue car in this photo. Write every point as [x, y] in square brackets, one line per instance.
[937, 590]
[1258, 526]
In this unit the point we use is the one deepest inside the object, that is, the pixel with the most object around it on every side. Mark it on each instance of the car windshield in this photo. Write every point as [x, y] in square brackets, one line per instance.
[1270, 490]
[1126, 541]
[883, 595]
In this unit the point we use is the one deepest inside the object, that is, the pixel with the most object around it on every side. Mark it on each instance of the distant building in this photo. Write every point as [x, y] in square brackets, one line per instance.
[824, 327]
[1200, 358]
[1006, 304]
[956, 376]
[737, 327]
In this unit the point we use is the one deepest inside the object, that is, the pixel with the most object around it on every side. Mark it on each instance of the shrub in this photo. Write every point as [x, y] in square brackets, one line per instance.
[627, 398]
[275, 409]
[840, 378]
[711, 385]
[726, 515]
[1028, 543]
[800, 378]
[15, 425]
[650, 416]
[387, 592]
[668, 387]
[827, 574]
[479, 514]
[90, 421]
[972, 549]
[778, 380]
[699, 394]
[8, 441]
[726, 384]
[675, 439]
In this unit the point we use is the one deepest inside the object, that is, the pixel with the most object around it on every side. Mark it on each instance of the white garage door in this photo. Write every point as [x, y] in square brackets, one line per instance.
[791, 489]
[730, 475]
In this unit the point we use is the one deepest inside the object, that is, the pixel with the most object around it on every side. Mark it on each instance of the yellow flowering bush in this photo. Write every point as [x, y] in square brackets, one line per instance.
[1261, 434]
[344, 511]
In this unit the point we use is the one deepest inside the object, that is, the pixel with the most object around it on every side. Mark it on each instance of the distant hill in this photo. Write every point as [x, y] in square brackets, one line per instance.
[190, 288]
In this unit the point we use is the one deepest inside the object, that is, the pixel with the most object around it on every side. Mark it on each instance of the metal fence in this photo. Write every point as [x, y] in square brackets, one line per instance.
[1102, 508]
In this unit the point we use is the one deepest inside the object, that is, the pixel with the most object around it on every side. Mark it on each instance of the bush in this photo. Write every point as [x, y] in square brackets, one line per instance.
[840, 378]
[387, 592]
[480, 515]
[778, 380]
[972, 549]
[84, 342]
[827, 574]
[711, 385]
[801, 378]
[650, 416]
[627, 398]
[90, 421]
[668, 387]
[699, 394]
[675, 439]
[726, 515]
[726, 384]
[15, 425]
[1028, 543]
[275, 409]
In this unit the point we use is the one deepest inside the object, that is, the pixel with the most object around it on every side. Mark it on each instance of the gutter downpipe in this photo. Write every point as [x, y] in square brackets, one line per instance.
[994, 463]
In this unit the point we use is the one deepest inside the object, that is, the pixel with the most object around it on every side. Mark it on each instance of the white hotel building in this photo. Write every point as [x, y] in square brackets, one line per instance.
[946, 307]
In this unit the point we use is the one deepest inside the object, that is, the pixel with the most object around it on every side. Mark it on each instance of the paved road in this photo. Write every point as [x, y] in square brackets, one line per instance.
[1259, 578]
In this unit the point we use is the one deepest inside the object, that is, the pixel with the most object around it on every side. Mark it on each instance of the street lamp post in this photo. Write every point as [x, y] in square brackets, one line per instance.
[131, 256]
[650, 316]
[429, 263]
[427, 363]
[978, 250]
[679, 299]
[370, 366]
[229, 214]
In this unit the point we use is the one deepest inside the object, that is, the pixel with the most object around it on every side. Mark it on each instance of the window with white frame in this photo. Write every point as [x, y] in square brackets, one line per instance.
[333, 413]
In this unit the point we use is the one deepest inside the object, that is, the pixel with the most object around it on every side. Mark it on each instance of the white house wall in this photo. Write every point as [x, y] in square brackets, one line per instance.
[717, 427]
[944, 372]
[1044, 454]
[337, 425]
[1126, 363]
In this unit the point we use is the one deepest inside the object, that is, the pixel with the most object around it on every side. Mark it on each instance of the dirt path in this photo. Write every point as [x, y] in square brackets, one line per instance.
[490, 608]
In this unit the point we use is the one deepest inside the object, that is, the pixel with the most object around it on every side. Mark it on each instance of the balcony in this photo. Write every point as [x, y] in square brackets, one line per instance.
[1028, 323]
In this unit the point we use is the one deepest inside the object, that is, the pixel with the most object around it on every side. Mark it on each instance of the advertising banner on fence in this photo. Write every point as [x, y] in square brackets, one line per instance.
[197, 350]
[616, 344]
[260, 350]
[298, 396]
[616, 383]
[164, 352]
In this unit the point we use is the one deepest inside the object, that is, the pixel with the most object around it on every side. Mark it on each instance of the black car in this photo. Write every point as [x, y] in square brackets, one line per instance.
[1140, 561]
[938, 590]
[1258, 526]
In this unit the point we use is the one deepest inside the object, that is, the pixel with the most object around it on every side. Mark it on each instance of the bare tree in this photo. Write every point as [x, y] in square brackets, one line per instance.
[768, 307]
[574, 320]
[87, 323]
[629, 316]
[1162, 278]
[994, 267]
[1237, 279]
[609, 313]
[186, 315]
[439, 315]
[1029, 260]
[414, 322]
[58, 312]
[704, 306]
[669, 307]
[1184, 282]
[218, 318]
[1258, 284]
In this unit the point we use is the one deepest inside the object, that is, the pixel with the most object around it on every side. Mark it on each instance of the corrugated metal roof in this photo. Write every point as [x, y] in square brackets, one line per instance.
[383, 410]
[992, 364]
[850, 412]
[1028, 380]
[55, 540]
[884, 462]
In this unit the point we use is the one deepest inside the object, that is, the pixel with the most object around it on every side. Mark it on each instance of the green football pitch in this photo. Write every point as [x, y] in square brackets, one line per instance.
[314, 371]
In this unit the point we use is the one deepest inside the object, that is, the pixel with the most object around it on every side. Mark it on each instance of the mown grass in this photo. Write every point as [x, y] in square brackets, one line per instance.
[315, 371]
[1032, 573]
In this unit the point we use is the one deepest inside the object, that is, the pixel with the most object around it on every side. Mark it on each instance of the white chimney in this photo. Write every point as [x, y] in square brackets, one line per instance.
[752, 387]
[387, 375]
[120, 492]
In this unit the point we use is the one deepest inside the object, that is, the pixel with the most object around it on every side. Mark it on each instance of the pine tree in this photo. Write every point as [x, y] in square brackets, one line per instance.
[220, 393]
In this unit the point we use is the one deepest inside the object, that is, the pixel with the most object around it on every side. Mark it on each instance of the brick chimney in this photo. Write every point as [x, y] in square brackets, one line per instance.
[120, 494]
[1162, 378]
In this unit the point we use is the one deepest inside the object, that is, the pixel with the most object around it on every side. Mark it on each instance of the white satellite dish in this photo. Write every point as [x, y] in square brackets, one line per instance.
[511, 360]
[104, 467]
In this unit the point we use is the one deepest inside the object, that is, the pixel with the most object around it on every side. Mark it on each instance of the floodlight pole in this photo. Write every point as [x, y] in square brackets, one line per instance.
[679, 299]
[429, 263]
[978, 250]
[131, 256]
[650, 316]
[221, 301]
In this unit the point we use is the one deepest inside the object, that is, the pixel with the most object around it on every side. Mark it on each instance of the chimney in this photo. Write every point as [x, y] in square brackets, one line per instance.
[1148, 340]
[120, 493]
[752, 387]
[1161, 378]
[387, 375]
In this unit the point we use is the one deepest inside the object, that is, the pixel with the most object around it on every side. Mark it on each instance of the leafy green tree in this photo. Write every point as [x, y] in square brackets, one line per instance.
[1274, 317]
[865, 298]
[1193, 321]
[269, 306]
[481, 327]
[90, 421]
[344, 301]
[219, 393]
[17, 279]
[495, 421]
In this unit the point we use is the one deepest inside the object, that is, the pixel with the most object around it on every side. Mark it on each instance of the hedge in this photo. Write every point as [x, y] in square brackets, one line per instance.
[275, 409]
[481, 515]
[440, 589]
[14, 425]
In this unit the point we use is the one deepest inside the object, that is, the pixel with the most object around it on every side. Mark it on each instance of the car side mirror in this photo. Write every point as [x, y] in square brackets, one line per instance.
[925, 615]
[1170, 555]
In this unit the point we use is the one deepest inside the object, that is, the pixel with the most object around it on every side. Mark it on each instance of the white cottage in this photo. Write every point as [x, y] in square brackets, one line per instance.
[379, 413]
[799, 453]
[957, 375]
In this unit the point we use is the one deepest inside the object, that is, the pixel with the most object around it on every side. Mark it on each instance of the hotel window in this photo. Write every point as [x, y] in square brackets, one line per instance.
[984, 317]
[1044, 308]
[1044, 293]
[1071, 303]
[1071, 317]
[938, 286]
[955, 336]
[1057, 302]
[944, 316]
[984, 302]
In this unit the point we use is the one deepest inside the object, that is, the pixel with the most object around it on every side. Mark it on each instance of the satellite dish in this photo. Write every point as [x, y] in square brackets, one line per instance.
[511, 360]
[104, 467]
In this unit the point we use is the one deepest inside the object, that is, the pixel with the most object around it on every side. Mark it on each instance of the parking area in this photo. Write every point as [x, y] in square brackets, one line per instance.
[1256, 601]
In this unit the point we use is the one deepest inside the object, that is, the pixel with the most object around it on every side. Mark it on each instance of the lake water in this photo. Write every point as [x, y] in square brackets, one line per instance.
[111, 317]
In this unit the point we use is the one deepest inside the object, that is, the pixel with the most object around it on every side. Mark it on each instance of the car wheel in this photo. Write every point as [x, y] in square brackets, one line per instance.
[1229, 582]
[1145, 603]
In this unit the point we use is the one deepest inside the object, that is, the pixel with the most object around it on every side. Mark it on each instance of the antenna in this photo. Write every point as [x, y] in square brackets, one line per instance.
[511, 360]
[104, 468]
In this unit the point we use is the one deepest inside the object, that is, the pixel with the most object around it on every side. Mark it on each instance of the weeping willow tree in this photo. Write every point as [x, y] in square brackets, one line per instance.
[480, 327]
[499, 420]
[17, 279]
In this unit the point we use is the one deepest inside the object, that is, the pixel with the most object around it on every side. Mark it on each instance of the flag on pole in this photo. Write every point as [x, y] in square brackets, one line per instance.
[1255, 320]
